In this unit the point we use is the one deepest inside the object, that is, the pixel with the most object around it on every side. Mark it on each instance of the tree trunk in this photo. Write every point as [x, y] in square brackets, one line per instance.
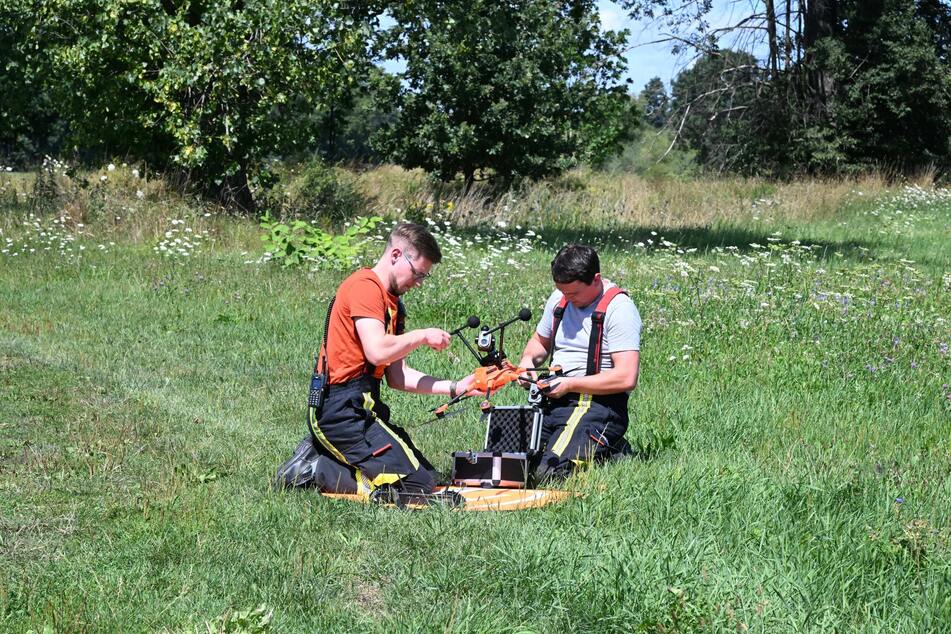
[787, 43]
[468, 174]
[821, 20]
[332, 132]
[771, 36]
[235, 192]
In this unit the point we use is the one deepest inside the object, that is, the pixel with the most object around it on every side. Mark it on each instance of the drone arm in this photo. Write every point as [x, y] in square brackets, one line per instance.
[469, 346]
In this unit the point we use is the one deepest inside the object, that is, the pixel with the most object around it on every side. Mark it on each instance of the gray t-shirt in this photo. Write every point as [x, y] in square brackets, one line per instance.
[622, 331]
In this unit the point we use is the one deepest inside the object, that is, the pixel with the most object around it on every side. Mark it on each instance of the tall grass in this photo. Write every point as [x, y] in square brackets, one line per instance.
[586, 198]
[792, 423]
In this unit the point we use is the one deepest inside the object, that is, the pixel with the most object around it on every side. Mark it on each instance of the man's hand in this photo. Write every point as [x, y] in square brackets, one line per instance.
[463, 385]
[536, 351]
[531, 374]
[435, 338]
[555, 387]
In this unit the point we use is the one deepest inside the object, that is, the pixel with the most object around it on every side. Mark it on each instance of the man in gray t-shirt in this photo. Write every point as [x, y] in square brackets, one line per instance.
[586, 416]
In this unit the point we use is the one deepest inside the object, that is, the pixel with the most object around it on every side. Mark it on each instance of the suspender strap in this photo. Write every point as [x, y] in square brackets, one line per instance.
[323, 347]
[400, 317]
[319, 379]
[556, 316]
[597, 329]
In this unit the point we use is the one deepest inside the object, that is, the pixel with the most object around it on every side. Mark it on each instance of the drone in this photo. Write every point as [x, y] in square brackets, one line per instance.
[494, 371]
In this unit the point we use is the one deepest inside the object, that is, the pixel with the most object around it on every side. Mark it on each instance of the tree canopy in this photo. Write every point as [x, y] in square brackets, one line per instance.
[655, 102]
[504, 89]
[212, 89]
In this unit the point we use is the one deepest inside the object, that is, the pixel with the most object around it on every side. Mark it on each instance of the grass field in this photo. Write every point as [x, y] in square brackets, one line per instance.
[793, 422]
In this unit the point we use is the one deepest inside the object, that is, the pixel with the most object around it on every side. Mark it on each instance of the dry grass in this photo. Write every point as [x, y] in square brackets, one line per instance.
[138, 205]
[584, 197]
[128, 202]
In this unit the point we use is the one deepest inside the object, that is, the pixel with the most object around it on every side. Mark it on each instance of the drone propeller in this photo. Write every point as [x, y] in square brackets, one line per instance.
[438, 417]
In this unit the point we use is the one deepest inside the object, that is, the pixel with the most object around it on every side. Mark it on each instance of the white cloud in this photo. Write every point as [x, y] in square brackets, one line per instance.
[613, 18]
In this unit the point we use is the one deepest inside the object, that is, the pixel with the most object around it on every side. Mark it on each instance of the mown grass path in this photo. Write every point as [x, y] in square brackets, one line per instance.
[793, 422]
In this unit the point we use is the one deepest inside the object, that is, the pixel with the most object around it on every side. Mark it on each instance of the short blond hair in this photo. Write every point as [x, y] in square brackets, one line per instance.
[418, 238]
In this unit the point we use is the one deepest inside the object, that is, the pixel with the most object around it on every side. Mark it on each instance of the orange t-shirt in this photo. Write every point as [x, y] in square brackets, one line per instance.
[362, 294]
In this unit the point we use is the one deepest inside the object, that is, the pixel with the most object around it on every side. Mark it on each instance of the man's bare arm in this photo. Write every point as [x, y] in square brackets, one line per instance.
[621, 378]
[400, 376]
[536, 351]
[381, 348]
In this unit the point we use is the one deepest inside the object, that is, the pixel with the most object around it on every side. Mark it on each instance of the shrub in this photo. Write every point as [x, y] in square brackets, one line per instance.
[52, 187]
[320, 192]
[648, 156]
[301, 242]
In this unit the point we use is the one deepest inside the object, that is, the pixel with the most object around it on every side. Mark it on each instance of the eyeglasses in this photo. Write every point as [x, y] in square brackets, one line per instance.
[419, 277]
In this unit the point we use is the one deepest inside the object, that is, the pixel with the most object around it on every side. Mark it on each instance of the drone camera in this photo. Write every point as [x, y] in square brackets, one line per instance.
[486, 341]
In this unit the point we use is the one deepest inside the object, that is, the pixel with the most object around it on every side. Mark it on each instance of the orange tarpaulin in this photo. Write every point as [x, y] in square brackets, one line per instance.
[479, 499]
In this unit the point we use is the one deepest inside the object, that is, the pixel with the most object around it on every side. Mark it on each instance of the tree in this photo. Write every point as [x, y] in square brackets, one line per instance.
[711, 106]
[208, 88]
[655, 103]
[504, 89]
[893, 92]
[347, 125]
[844, 84]
[937, 15]
[29, 123]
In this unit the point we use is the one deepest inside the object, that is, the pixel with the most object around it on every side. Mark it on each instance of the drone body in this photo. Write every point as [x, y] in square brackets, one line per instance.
[494, 371]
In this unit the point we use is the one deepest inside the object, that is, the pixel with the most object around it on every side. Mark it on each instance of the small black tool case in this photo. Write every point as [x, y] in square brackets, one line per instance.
[514, 429]
[512, 436]
[503, 469]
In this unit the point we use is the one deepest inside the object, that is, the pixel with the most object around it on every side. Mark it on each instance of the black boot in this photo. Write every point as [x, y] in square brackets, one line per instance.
[303, 468]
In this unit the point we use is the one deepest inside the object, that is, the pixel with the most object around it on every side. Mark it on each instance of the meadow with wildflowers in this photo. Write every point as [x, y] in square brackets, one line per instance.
[792, 421]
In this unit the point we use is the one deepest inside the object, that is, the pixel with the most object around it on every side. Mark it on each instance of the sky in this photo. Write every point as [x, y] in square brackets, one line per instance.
[645, 59]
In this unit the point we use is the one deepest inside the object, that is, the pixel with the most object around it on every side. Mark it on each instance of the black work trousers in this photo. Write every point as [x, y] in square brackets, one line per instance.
[580, 428]
[353, 447]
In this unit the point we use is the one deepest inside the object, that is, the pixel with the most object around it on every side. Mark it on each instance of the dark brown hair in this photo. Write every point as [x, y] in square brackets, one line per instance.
[575, 263]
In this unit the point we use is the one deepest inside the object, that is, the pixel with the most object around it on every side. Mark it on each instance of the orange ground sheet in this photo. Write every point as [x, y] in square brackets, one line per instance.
[479, 499]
